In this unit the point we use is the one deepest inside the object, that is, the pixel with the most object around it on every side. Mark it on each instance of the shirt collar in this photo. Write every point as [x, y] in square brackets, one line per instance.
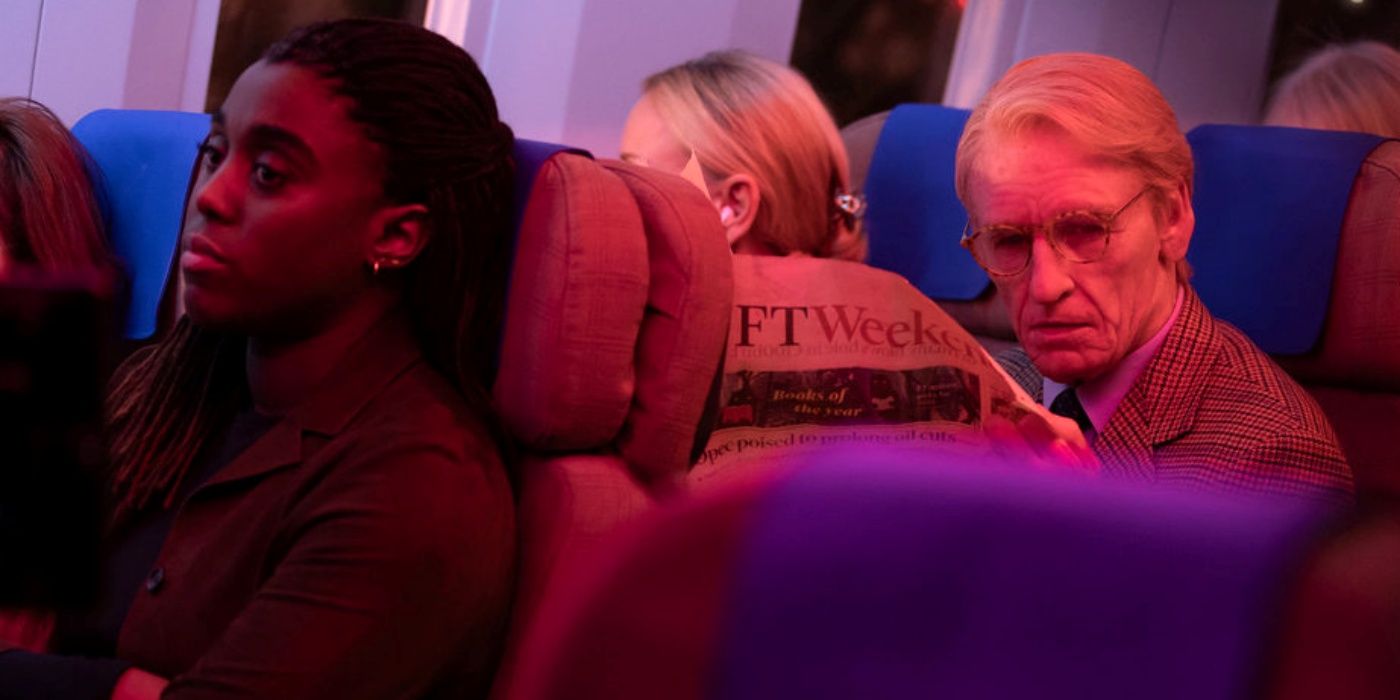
[386, 351]
[1101, 395]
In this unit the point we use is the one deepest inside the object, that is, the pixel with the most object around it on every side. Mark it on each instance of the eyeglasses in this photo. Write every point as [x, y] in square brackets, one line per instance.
[1077, 236]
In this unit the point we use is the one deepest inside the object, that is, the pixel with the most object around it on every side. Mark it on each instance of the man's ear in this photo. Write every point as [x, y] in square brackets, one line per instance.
[737, 198]
[400, 233]
[1178, 223]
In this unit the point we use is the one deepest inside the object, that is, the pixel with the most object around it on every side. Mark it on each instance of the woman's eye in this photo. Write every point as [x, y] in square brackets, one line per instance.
[210, 155]
[266, 177]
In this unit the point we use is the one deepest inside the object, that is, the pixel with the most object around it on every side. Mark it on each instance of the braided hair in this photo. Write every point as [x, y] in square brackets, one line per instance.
[426, 104]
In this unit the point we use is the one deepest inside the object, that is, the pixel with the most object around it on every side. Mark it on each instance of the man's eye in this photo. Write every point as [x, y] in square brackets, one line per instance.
[1075, 228]
[1009, 238]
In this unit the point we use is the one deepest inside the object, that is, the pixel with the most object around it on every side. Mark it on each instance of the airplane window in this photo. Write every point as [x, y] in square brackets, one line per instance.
[866, 56]
[247, 27]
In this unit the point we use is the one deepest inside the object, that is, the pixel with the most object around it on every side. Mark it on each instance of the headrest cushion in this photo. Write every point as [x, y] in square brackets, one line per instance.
[577, 292]
[687, 317]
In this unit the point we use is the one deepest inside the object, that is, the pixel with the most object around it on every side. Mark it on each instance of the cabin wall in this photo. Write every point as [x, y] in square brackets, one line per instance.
[1210, 58]
[569, 70]
[19, 34]
[79, 55]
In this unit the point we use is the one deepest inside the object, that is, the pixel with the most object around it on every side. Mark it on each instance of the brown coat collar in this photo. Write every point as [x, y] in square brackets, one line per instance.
[1161, 406]
[385, 352]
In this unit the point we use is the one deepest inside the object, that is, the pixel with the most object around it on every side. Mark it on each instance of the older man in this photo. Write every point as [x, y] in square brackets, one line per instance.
[1077, 180]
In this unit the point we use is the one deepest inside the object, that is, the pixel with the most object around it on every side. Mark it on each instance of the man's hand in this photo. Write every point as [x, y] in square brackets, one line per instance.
[136, 684]
[1044, 441]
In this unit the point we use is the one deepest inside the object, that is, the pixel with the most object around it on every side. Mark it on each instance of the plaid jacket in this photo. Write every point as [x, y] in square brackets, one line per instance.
[1212, 410]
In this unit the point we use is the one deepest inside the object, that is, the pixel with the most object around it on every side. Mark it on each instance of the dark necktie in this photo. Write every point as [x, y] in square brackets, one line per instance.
[1067, 405]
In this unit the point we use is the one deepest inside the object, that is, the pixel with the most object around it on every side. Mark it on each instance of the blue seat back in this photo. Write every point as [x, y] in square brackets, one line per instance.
[914, 219]
[1269, 205]
[144, 160]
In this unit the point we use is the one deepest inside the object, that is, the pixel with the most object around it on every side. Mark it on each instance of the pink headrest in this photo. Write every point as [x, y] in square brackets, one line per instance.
[577, 293]
[687, 318]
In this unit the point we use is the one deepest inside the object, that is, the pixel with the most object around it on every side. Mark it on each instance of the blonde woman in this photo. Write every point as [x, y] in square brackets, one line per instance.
[1347, 87]
[756, 138]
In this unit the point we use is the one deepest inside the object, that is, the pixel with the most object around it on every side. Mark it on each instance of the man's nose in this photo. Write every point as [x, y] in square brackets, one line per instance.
[1047, 273]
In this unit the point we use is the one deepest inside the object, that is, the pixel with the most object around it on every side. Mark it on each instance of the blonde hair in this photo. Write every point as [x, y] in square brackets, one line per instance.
[743, 114]
[1348, 87]
[1101, 103]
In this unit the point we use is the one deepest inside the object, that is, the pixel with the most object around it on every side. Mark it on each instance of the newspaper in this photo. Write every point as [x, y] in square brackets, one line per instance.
[826, 353]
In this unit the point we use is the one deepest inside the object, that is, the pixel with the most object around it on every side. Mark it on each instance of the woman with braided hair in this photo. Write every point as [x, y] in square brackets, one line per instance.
[308, 500]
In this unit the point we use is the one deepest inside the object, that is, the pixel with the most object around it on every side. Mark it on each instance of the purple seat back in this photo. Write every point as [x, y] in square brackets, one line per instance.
[869, 575]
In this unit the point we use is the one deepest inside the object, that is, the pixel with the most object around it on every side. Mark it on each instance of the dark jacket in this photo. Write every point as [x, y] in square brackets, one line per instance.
[362, 547]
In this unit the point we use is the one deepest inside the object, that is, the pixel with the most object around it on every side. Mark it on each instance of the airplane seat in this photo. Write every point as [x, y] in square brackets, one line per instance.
[682, 337]
[143, 160]
[903, 161]
[1354, 372]
[615, 321]
[866, 574]
[1322, 298]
